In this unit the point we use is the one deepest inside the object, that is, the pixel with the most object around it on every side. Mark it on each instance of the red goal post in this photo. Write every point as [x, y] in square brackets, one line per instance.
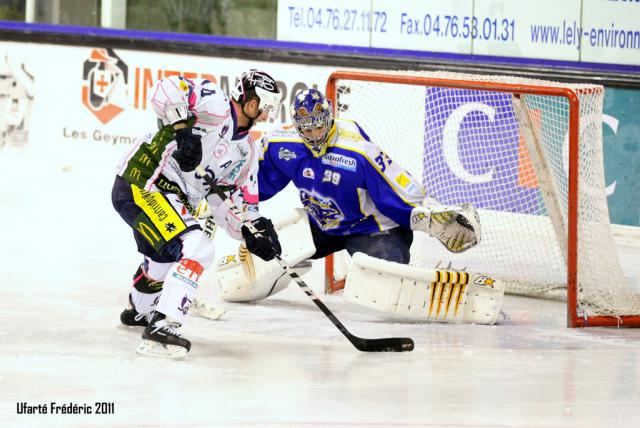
[544, 140]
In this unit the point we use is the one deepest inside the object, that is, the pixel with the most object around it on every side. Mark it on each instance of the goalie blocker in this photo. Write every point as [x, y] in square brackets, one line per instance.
[243, 277]
[423, 294]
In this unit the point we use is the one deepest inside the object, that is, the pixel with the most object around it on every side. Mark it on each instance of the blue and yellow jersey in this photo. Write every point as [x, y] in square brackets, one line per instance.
[355, 188]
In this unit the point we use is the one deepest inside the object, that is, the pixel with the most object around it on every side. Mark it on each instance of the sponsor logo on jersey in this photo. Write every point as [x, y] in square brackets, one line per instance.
[286, 154]
[350, 135]
[339, 161]
[189, 271]
[220, 150]
[308, 173]
[185, 279]
[223, 131]
[236, 170]
[104, 84]
[402, 180]
[160, 211]
[286, 131]
[241, 148]
[184, 305]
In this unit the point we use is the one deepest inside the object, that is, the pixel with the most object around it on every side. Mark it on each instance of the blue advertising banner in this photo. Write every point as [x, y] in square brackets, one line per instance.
[472, 143]
[482, 163]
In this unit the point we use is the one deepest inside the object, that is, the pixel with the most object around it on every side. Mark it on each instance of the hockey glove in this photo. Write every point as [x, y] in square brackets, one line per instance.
[456, 227]
[189, 151]
[264, 243]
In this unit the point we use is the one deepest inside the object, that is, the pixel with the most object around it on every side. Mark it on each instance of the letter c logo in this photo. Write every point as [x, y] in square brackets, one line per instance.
[450, 143]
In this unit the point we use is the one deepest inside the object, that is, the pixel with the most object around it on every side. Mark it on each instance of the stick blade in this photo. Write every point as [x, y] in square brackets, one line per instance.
[391, 344]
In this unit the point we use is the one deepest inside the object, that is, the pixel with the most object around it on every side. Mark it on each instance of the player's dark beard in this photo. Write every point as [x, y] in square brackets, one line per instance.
[251, 119]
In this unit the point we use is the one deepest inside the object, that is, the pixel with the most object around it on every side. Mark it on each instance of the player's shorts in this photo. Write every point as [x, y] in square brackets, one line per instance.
[157, 219]
[392, 245]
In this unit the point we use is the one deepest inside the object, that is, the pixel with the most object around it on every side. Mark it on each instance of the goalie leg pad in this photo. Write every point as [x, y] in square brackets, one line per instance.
[423, 294]
[243, 277]
[206, 309]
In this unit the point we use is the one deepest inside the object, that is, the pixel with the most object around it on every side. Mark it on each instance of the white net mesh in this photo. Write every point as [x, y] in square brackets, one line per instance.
[466, 145]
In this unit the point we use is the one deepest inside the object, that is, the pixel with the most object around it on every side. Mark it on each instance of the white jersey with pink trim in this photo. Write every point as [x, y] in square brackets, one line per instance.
[230, 157]
[174, 97]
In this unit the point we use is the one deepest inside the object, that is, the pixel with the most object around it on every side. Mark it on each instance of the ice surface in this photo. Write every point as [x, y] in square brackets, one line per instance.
[67, 259]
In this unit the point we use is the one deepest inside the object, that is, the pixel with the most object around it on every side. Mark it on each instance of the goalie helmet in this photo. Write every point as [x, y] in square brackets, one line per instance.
[312, 110]
[257, 84]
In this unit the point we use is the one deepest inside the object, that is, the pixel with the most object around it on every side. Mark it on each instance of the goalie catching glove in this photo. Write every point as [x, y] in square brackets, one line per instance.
[264, 243]
[456, 227]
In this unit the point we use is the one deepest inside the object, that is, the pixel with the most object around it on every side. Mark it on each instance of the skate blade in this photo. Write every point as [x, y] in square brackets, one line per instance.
[129, 327]
[155, 349]
[206, 310]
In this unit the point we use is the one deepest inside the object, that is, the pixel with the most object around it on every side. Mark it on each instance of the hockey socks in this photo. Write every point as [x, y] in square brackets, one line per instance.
[142, 300]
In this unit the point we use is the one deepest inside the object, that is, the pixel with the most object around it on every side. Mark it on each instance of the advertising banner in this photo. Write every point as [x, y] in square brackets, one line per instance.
[332, 22]
[603, 31]
[528, 29]
[503, 184]
[621, 133]
[485, 165]
[611, 31]
[100, 95]
[444, 26]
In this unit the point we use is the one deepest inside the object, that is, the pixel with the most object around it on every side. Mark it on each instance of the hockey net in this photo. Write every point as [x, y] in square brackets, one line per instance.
[528, 154]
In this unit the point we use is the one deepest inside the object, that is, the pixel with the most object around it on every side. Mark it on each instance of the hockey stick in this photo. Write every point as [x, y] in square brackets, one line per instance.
[391, 344]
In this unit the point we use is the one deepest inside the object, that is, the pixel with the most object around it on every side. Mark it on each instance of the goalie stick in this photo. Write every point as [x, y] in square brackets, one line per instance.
[391, 344]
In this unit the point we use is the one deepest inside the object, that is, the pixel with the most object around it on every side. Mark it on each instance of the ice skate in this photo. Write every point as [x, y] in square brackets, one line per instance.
[132, 318]
[161, 339]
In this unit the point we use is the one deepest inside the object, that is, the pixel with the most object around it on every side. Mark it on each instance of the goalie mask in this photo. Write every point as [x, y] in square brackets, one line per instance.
[311, 112]
[257, 84]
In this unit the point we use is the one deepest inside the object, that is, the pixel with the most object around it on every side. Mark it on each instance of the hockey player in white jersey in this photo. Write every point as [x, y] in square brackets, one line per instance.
[157, 192]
